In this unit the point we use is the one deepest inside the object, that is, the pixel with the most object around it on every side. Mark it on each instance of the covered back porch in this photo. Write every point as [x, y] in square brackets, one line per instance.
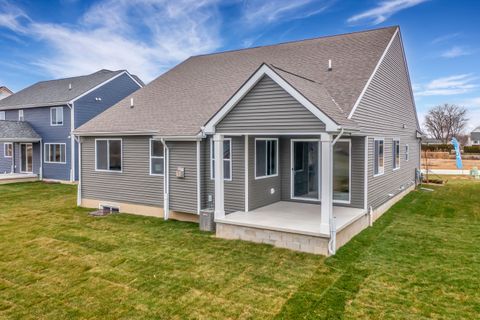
[297, 188]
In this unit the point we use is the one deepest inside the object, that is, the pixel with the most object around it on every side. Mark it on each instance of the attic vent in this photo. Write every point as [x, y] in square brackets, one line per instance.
[69, 86]
[329, 64]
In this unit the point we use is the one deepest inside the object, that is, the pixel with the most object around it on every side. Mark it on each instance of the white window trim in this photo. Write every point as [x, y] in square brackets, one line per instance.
[212, 156]
[380, 172]
[63, 119]
[407, 152]
[255, 158]
[349, 173]
[156, 157]
[45, 153]
[108, 155]
[5, 149]
[21, 116]
[3, 115]
[394, 154]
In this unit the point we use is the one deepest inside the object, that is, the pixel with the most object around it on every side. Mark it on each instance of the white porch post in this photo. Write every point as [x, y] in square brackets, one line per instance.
[327, 183]
[219, 182]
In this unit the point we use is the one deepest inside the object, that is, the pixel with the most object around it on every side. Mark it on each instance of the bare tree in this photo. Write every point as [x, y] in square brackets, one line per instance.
[446, 121]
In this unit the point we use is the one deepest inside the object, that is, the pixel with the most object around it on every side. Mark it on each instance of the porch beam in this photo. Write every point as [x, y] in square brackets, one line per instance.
[219, 181]
[327, 183]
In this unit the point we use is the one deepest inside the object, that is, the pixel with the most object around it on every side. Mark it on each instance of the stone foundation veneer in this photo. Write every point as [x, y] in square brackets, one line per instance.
[287, 240]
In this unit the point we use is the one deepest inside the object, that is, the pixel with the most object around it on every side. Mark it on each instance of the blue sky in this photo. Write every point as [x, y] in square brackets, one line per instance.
[42, 40]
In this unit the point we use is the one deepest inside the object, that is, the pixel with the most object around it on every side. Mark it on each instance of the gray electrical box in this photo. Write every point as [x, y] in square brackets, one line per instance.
[207, 222]
[180, 172]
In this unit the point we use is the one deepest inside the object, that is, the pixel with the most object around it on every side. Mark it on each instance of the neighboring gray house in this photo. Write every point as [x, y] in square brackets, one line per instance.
[475, 137]
[36, 122]
[300, 145]
[5, 92]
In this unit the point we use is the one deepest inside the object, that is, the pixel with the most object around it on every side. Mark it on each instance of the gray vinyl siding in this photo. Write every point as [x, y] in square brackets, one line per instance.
[133, 185]
[39, 119]
[234, 191]
[5, 162]
[259, 194]
[89, 106]
[385, 108]
[269, 108]
[183, 191]
[357, 174]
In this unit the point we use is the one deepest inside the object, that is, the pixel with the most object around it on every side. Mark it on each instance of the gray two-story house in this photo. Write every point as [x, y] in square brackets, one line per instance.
[300, 145]
[36, 123]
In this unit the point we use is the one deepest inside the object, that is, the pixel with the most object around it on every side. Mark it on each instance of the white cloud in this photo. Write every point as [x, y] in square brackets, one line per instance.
[455, 52]
[11, 17]
[446, 37]
[144, 36]
[452, 85]
[262, 12]
[384, 10]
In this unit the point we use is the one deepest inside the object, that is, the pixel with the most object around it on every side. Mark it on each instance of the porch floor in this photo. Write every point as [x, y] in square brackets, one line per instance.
[294, 217]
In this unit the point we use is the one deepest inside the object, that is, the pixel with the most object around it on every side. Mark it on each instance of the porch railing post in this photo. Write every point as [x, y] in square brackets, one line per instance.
[327, 183]
[219, 181]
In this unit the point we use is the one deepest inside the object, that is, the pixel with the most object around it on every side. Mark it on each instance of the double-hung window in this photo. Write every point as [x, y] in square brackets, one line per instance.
[56, 116]
[266, 158]
[396, 154]
[2, 115]
[157, 157]
[7, 150]
[54, 153]
[378, 158]
[20, 115]
[227, 159]
[407, 152]
[108, 155]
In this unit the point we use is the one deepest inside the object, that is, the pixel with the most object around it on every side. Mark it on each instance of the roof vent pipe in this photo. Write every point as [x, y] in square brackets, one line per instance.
[329, 64]
[69, 86]
[131, 102]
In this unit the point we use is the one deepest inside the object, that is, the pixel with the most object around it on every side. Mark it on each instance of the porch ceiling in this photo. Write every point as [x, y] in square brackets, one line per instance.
[294, 217]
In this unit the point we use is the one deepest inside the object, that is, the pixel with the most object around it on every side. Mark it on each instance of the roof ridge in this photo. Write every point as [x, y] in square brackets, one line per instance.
[76, 77]
[296, 41]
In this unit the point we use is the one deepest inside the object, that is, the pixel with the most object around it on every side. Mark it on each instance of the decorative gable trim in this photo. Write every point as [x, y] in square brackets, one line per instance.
[360, 97]
[264, 69]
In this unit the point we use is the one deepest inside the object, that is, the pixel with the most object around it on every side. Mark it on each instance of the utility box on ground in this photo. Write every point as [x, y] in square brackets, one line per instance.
[207, 222]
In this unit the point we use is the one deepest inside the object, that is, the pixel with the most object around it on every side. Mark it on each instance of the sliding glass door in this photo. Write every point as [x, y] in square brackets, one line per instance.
[26, 158]
[305, 169]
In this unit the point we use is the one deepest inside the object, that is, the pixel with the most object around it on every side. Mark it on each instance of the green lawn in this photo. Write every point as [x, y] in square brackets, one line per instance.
[420, 260]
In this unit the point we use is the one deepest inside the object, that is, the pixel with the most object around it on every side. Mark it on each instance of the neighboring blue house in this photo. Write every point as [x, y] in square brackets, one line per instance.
[35, 134]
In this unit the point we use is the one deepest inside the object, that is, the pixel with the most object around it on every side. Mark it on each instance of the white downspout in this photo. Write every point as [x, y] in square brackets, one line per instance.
[79, 186]
[71, 105]
[166, 193]
[41, 160]
[332, 244]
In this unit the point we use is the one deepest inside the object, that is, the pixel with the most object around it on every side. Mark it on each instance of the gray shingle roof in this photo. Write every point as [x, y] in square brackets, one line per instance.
[55, 92]
[13, 131]
[181, 101]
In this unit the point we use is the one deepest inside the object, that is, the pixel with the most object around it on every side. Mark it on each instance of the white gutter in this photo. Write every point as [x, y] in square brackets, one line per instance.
[112, 134]
[166, 194]
[332, 244]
